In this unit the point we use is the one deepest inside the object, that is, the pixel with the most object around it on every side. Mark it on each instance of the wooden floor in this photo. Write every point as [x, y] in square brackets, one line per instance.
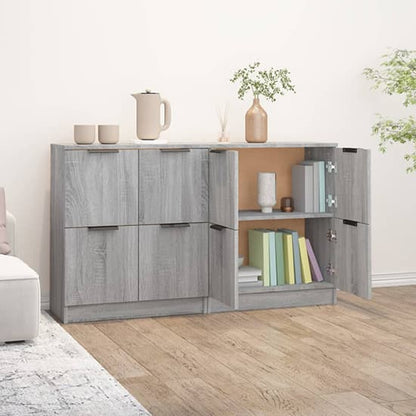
[355, 358]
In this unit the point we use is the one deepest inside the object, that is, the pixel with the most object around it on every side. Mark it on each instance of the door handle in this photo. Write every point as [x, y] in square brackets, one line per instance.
[103, 151]
[178, 150]
[103, 228]
[176, 225]
[217, 227]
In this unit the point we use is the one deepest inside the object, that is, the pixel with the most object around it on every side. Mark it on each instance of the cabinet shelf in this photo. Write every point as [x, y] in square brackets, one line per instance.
[286, 288]
[251, 215]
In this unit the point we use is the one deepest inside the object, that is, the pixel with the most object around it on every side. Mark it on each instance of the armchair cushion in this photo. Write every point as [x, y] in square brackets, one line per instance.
[4, 243]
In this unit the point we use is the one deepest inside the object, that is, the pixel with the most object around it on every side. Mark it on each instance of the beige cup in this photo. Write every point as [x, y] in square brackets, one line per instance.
[108, 133]
[84, 133]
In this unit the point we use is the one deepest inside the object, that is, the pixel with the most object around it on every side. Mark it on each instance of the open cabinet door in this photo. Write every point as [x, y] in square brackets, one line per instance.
[223, 232]
[223, 188]
[347, 175]
[223, 267]
[351, 257]
[352, 184]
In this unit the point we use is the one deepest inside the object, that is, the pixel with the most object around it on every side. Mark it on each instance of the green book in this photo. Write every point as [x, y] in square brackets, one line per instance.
[272, 258]
[280, 262]
[258, 253]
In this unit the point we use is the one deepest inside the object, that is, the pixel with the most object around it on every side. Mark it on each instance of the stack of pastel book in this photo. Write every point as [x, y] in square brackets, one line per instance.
[249, 276]
[283, 257]
[308, 186]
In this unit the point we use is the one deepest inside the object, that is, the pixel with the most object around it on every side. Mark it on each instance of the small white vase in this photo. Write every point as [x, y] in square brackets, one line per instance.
[266, 188]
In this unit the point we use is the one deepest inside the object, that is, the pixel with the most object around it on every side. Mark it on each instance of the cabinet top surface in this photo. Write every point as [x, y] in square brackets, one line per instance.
[192, 145]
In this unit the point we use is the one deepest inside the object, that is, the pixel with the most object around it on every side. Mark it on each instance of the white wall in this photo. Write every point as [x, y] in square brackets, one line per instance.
[66, 62]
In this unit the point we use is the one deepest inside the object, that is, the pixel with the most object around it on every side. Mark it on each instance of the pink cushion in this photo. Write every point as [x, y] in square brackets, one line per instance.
[4, 244]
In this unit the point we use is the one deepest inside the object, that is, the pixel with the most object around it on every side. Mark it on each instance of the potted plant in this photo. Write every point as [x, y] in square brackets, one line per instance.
[397, 75]
[268, 83]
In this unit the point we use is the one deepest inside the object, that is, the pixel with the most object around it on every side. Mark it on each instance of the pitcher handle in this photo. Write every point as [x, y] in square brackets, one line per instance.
[167, 114]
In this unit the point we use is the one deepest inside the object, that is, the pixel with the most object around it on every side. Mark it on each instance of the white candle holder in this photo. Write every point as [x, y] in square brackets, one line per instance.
[266, 188]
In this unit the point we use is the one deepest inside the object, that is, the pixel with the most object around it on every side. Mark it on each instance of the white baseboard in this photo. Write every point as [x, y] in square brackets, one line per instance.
[393, 279]
[44, 302]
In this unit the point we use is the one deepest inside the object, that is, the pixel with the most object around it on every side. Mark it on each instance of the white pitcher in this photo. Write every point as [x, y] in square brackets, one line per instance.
[148, 115]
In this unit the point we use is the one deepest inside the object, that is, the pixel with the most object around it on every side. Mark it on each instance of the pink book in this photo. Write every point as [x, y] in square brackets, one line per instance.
[316, 271]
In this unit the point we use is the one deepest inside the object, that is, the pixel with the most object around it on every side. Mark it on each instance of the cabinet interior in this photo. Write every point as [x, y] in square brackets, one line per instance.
[252, 161]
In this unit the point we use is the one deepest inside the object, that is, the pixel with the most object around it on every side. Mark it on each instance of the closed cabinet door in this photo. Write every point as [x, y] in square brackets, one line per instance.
[101, 265]
[173, 261]
[351, 257]
[101, 187]
[173, 185]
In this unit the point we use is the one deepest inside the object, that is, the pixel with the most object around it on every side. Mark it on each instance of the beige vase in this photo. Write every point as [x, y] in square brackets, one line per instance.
[256, 123]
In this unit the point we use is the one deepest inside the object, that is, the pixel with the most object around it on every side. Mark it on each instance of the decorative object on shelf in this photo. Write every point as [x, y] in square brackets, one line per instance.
[240, 261]
[84, 133]
[266, 188]
[397, 76]
[148, 115]
[268, 83]
[223, 119]
[286, 204]
[108, 133]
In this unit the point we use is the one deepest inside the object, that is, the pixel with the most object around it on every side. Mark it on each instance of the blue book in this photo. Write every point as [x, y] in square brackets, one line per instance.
[280, 264]
[296, 254]
[322, 207]
[272, 258]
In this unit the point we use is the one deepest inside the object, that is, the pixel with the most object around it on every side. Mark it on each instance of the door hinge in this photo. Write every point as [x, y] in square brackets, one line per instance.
[331, 200]
[330, 269]
[331, 167]
[331, 235]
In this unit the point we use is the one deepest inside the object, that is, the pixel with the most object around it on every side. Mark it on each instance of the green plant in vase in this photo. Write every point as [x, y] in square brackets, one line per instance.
[268, 83]
[396, 75]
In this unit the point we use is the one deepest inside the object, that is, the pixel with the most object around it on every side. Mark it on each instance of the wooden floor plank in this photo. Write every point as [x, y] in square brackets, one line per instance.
[354, 358]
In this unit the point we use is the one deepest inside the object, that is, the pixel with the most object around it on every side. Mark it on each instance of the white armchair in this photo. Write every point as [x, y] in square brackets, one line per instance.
[19, 293]
[11, 231]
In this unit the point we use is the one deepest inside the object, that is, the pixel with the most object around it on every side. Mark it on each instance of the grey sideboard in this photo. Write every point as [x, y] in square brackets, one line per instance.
[151, 230]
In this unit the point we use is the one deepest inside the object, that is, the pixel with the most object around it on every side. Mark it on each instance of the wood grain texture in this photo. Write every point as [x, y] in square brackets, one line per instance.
[223, 284]
[287, 299]
[223, 189]
[173, 186]
[351, 258]
[253, 161]
[57, 239]
[316, 231]
[101, 266]
[101, 188]
[173, 262]
[353, 185]
[326, 154]
[148, 144]
[87, 313]
[315, 361]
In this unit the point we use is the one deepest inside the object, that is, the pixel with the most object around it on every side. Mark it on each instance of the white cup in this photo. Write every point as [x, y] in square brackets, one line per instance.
[108, 133]
[84, 133]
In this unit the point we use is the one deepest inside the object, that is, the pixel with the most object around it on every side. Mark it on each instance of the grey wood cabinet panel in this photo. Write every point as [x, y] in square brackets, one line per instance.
[223, 255]
[173, 186]
[173, 261]
[316, 231]
[57, 267]
[326, 154]
[101, 188]
[351, 257]
[353, 184]
[223, 188]
[101, 265]
[350, 183]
